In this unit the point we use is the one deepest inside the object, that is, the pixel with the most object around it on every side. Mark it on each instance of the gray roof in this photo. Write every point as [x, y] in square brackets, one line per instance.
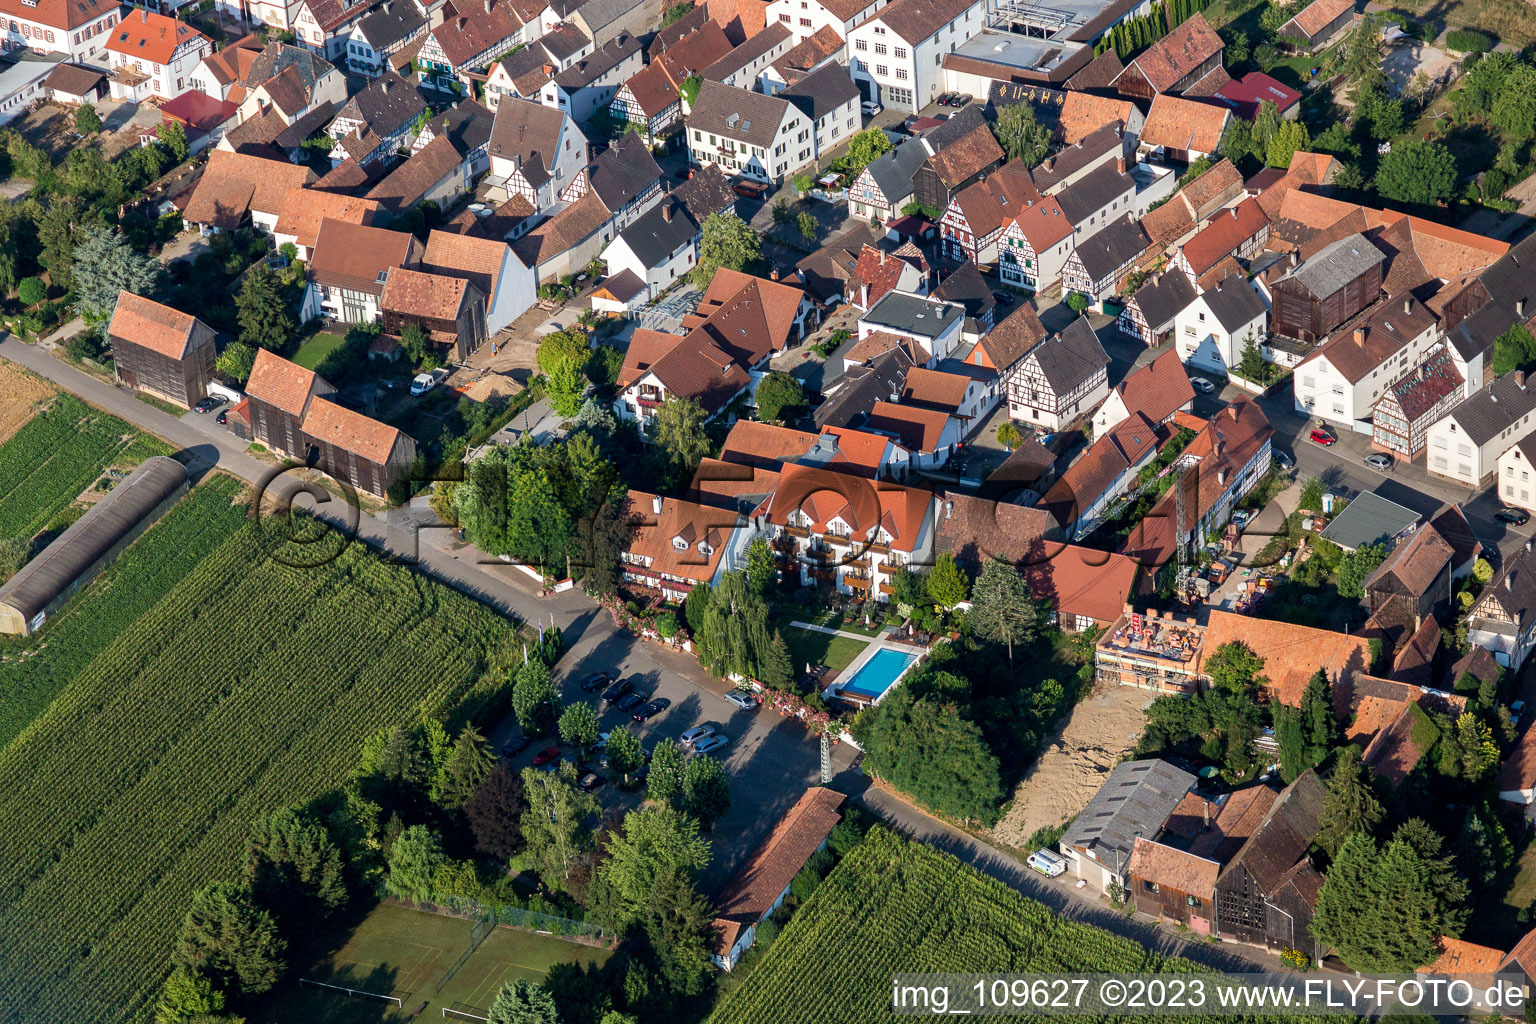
[738, 114]
[528, 134]
[1162, 299]
[391, 22]
[862, 387]
[1496, 408]
[708, 191]
[1369, 519]
[623, 171]
[1071, 357]
[913, 314]
[822, 91]
[1104, 253]
[1234, 303]
[62, 563]
[1334, 266]
[1093, 192]
[1075, 157]
[966, 286]
[1134, 801]
[653, 237]
[385, 104]
[957, 127]
[467, 125]
[598, 63]
[599, 13]
[1509, 280]
[747, 52]
[893, 172]
[564, 41]
[1514, 588]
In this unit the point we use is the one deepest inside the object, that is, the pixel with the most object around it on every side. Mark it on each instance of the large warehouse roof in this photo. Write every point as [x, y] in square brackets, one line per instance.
[93, 535]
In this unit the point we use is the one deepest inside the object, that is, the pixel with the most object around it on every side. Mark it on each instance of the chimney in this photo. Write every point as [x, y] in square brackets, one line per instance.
[1520, 379]
[1407, 305]
[656, 504]
[1519, 307]
[1295, 258]
[773, 275]
[487, 6]
[666, 212]
[1234, 213]
[949, 510]
[1360, 336]
[143, 14]
[1509, 582]
[1120, 164]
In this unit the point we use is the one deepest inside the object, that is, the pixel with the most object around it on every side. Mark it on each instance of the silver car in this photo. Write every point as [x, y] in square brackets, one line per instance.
[742, 699]
[709, 744]
[695, 734]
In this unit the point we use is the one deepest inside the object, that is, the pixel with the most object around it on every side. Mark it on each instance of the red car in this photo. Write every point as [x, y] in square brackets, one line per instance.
[545, 756]
[750, 189]
[1322, 436]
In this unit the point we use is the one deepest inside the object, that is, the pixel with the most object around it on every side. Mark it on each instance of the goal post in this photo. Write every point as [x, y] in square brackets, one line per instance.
[453, 1013]
[353, 991]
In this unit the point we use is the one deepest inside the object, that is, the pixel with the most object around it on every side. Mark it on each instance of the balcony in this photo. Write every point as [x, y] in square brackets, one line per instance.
[856, 581]
[648, 402]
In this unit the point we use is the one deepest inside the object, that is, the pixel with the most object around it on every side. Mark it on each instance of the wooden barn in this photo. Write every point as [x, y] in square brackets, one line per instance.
[278, 394]
[161, 350]
[1327, 289]
[1267, 892]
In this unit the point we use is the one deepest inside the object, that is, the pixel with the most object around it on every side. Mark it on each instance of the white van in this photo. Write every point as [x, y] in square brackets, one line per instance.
[423, 382]
[1047, 863]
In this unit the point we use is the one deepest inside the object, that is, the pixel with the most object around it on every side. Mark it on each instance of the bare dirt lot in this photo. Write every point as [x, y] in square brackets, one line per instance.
[20, 395]
[1102, 730]
[1407, 58]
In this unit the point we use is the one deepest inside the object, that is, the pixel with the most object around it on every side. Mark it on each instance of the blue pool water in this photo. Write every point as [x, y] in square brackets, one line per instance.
[877, 674]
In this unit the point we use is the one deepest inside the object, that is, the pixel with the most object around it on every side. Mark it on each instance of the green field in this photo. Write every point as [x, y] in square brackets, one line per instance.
[896, 906]
[405, 953]
[56, 455]
[245, 685]
[314, 350]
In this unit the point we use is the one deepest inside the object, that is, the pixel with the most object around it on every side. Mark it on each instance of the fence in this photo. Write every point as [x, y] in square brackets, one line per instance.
[516, 917]
[477, 933]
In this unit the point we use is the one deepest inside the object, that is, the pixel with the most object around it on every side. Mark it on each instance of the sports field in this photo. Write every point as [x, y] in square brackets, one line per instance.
[405, 953]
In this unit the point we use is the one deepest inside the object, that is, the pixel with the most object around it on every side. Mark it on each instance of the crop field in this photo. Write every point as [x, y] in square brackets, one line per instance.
[405, 953]
[243, 686]
[895, 906]
[56, 455]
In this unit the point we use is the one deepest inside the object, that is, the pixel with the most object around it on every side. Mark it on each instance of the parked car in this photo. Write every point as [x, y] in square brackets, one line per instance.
[651, 709]
[546, 756]
[709, 744]
[422, 383]
[870, 108]
[617, 690]
[959, 99]
[750, 189]
[695, 734]
[1242, 517]
[223, 417]
[1322, 436]
[1512, 516]
[1380, 460]
[1047, 863]
[1002, 298]
[683, 173]
[1202, 385]
[944, 99]
[208, 405]
[744, 699]
[596, 681]
[629, 702]
[516, 745]
[1284, 461]
[590, 782]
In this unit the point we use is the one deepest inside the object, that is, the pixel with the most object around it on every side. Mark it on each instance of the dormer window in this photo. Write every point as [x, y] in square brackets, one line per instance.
[679, 544]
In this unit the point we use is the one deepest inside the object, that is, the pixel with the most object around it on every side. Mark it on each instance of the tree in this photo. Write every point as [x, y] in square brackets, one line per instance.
[1008, 435]
[1417, 172]
[236, 361]
[1288, 138]
[1450, 889]
[1292, 742]
[226, 938]
[1311, 497]
[930, 750]
[1021, 135]
[706, 789]
[1001, 608]
[1356, 567]
[413, 859]
[1376, 909]
[761, 568]
[803, 183]
[534, 697]
[1515, 349]
[565, 387]
[665, 782]
[806, 222]
[1077, 302]
[578, 725]
[468, 765]
[1319, 719]
[104, 266]
[1350, 807]
[1514, 105]
[495, 813]
[262, 310]
[563, 347]
[864, 149]
[777, 392]
[680, 437]
[947, 584]
[173, 136]
[656, 843]
[728, 241]
[523, 1003]
[87, 121]
[1234, 666]
[625, 754]
[292, 866]
[31, 291]
[555, 826]
[187, 996]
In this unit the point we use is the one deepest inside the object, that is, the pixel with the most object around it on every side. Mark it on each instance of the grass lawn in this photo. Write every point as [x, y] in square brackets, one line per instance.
[807, 646]
[405, 953]
[316, 348]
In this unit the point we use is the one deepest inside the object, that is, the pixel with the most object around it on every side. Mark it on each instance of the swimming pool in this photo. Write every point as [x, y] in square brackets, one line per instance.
[877, 674]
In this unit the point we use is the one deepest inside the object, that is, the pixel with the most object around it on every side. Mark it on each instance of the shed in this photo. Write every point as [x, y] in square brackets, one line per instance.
[1134, 801]
[1370, 519]
[45, 584]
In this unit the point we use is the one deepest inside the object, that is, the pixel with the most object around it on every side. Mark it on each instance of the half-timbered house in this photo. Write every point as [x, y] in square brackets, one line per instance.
[1267, 892]
[1175, 62]
[1403, 415]
[1098, 264]
[1060, 379]
[1149, 312]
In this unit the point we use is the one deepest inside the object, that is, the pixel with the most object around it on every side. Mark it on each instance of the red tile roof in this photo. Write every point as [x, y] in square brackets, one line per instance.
[918, 429]
[429, 296]
[1292, 654]
[1158, 389]
[1178, 123]
[657, 536]
[646, 347]
[476, 259]
[233, 184]
[351, 431]
[355, 256]
[878, 269]
[1173, 869]
[282, 384]
[765, 444]
[1179, 52]
[1043, 223]
[1458, 956]
[758, 883]
[1227, 230]
[1084, 113]
[934, 389]
[1084, 582]
[825, 495]
[156, 327]
[303, 209]
[1320, 14]
[152, 37]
